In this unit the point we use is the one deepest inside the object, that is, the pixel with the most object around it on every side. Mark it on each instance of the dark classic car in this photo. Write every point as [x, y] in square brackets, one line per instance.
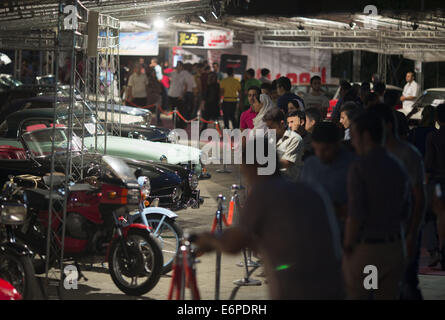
[175, 186]
[137, 124]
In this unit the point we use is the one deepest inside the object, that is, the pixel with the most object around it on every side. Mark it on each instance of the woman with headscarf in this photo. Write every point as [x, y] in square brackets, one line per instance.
[261, 107]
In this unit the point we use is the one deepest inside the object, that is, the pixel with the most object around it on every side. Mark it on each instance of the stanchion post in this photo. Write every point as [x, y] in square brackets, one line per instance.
[219, 213]
[175, 110]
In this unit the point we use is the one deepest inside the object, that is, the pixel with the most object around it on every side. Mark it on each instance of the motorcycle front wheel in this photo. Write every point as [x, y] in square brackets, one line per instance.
[140, 272]
[19, 272]
[169, 235]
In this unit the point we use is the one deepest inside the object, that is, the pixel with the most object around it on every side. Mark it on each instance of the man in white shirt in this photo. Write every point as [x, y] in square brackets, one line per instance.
[190, 88]
[410, 93]
[154, 64]
[290, 145]
[138, 87]
[177, 91]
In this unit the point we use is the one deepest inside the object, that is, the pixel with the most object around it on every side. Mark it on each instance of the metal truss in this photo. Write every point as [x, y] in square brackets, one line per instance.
[385, 42]
[97, 82]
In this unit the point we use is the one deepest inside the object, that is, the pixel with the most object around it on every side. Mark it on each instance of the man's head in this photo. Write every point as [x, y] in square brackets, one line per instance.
[347, 113]
[215, 66]
[229, 72]
[316, 83]
[296, 120]
[440, 114]
[266, 88]
[313, 116]
[283, 85]
[137, 68]
[179, 66]
[367, 132]
[379, 89]
[293, 105]
[265, 72]
[345, 86]
[250, 73]
[154, 62]
[409, 76]
[388, 116]
[275, 120]
[141, 61]
[253, 94]
[326, 141]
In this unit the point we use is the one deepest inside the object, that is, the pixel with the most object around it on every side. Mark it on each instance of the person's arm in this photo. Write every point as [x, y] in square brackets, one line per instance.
[417, 215]
[231, 241]
[130, 89]
[429, 156]
[356, 209]
[289, 157]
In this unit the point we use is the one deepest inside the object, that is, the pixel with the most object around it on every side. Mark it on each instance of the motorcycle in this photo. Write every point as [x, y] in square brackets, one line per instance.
[16, 267]
[161, 223]
[97, 227]
[8, 292]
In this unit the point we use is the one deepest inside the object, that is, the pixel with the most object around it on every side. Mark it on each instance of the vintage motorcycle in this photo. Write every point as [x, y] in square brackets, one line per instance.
[8, 292]
[97, 226]
[16, 265]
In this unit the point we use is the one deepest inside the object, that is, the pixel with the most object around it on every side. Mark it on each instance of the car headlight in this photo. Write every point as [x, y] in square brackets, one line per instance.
[193, 181]
[147, 118]
[13, 213]
[173, 137]
[163, 158]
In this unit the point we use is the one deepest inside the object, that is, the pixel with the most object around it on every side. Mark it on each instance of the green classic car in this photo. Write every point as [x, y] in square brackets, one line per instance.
[86, 126]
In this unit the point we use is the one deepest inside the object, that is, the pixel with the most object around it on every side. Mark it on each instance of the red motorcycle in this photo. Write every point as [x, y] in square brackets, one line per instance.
[8, 292]
[96, 226]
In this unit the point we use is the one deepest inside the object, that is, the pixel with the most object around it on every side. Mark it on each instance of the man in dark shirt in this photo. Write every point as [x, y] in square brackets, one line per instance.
[378, 207]
[283, 87]
[413, 164]
[435, 168]
[297, 236]
[329, 167]
[435, 148]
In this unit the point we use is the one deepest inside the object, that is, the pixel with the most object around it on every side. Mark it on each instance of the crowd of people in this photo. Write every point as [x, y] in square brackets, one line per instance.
[359, 189]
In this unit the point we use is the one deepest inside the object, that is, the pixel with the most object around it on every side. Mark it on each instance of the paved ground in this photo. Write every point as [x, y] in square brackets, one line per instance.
[100, 285]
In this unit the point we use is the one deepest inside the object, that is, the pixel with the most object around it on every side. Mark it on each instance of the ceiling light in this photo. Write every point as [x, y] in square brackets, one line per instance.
[352, 24]
[202, 19]
[159, 23]
[300, 27]
[415, 26]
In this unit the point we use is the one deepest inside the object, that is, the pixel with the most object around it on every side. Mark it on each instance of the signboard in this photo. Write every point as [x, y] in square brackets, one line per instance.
[138, 43]
[299, 65]
[235, 61]
[210, 39]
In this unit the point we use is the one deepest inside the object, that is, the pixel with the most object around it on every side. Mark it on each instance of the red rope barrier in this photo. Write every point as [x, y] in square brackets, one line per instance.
[217, 127]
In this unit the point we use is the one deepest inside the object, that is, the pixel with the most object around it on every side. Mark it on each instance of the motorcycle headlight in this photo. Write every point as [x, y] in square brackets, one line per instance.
[163, 158]
[193, 181]
[173, 137]
[145, 185]
[12, 213]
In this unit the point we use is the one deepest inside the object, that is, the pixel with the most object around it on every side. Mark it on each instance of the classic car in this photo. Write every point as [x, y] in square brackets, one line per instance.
[119, 146]
[30, 154]
[433, 97]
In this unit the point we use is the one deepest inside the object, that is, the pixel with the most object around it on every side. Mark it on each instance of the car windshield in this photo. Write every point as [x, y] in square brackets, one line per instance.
[39, 142]
[7, 80]
[120, 168]
[83, 126]
[433, 98]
